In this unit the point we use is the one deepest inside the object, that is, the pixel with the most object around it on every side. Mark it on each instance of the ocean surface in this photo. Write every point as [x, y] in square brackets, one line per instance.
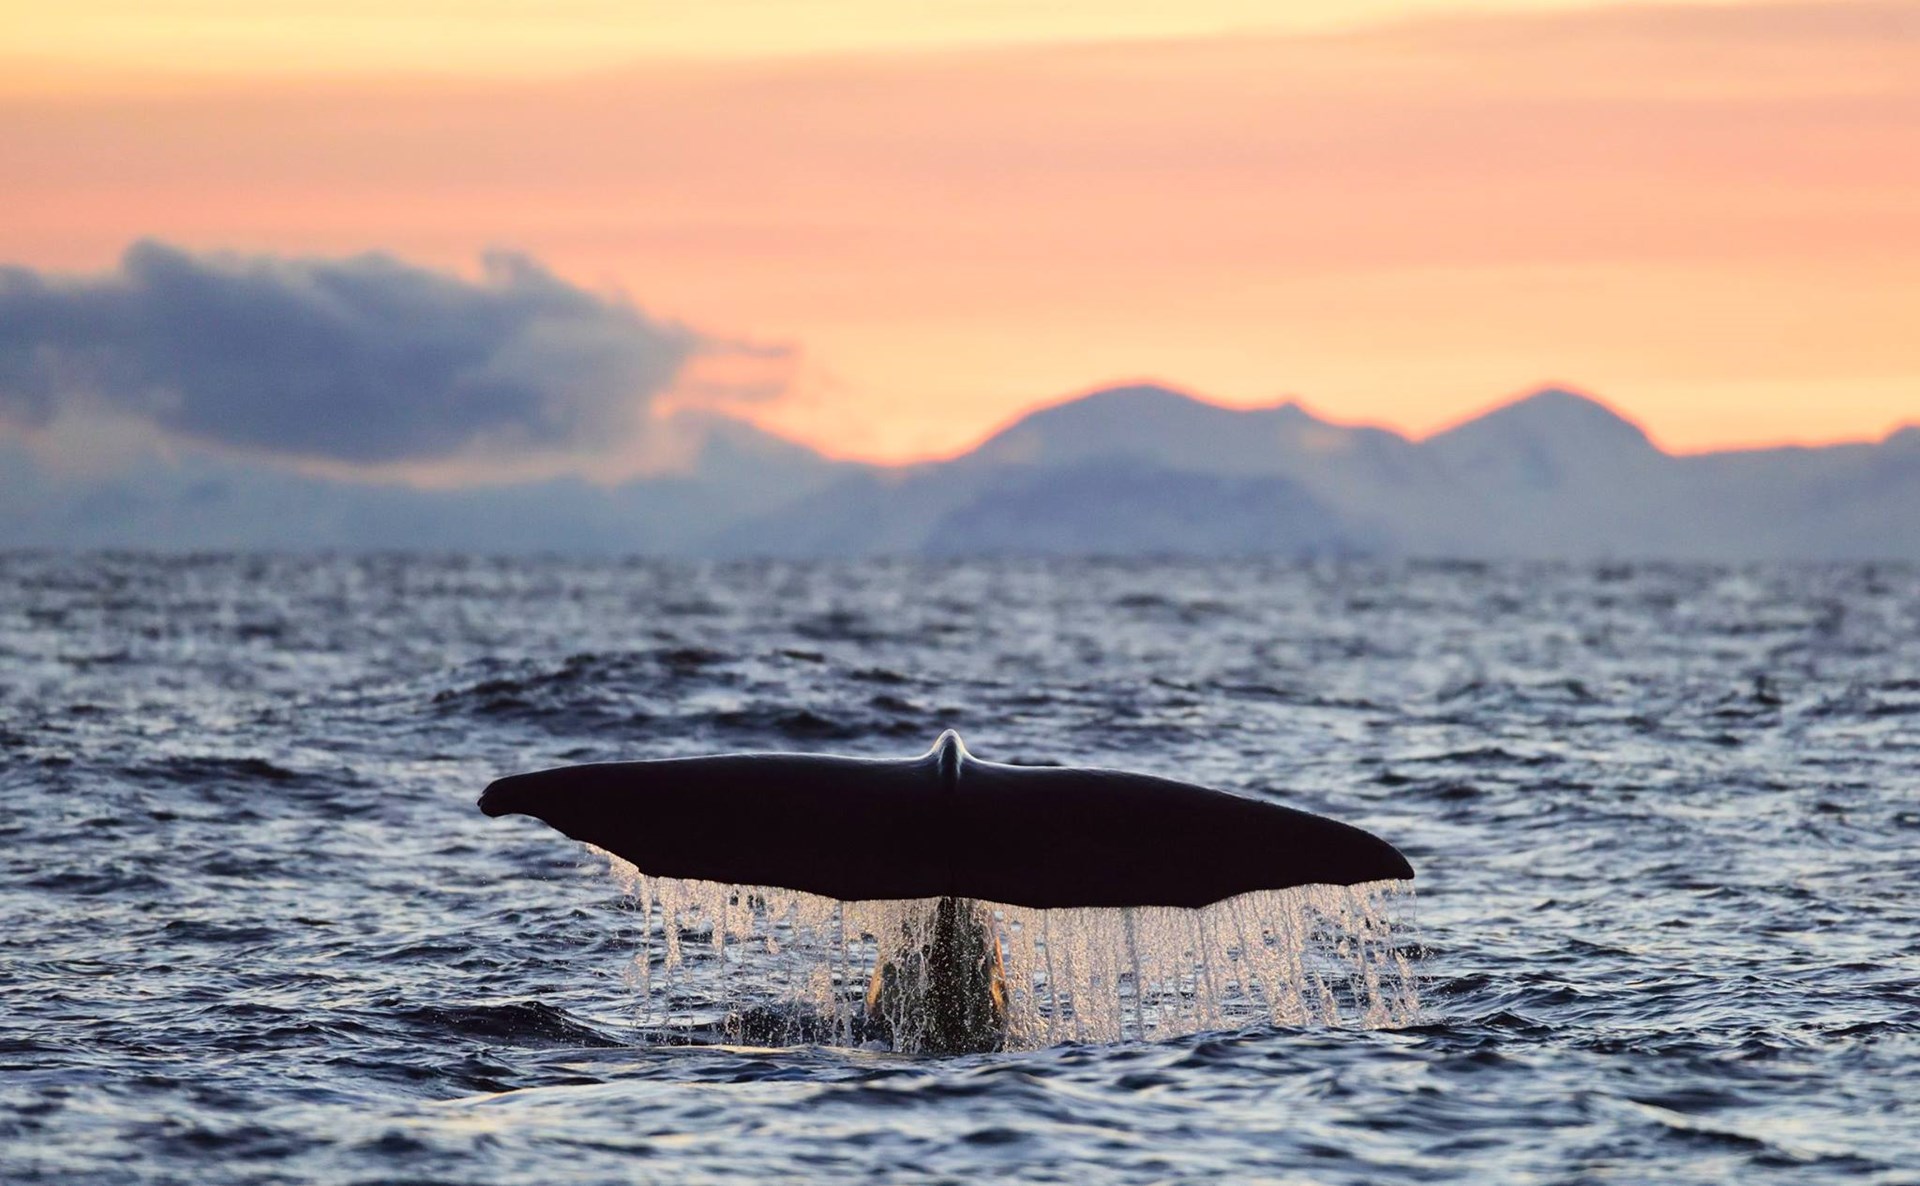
[1666, 821]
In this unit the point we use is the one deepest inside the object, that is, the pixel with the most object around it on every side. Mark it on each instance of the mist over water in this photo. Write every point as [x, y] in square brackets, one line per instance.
[252, 928]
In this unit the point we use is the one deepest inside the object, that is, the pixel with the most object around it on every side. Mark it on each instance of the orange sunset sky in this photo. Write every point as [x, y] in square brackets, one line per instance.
[948, 212]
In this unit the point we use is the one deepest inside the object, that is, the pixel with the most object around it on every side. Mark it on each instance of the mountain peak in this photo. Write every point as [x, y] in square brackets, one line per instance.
[1127, 399]
[1544, 440]
[1566, 406]
[1148, 407]
[1562, 397]
[1146, 420]
[1554, 414]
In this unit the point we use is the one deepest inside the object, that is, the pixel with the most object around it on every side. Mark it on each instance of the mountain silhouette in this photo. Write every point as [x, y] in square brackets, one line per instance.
[1543, 441]
[1147, 469]
[1141, 469]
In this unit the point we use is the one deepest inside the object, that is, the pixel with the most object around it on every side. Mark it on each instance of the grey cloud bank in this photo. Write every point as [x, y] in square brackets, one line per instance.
[365, 360]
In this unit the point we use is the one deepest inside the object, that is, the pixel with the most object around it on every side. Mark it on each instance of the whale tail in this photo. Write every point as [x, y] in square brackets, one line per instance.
[944, 825]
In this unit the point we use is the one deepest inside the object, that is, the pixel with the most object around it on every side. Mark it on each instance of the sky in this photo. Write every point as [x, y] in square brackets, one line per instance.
[885, 229]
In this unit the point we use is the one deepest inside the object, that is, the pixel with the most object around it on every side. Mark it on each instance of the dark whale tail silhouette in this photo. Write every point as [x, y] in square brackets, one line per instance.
[944, 825]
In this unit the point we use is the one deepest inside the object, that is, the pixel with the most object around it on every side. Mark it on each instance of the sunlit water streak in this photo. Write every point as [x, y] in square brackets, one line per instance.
[253, 929]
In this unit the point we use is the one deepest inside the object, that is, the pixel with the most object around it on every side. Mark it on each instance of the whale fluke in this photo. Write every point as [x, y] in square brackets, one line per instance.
[943, 825]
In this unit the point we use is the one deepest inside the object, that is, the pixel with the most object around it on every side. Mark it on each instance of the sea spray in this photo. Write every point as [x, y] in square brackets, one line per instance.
[754, 963]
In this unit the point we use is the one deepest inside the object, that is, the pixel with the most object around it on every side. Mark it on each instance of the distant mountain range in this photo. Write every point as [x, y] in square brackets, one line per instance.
[1137, 470]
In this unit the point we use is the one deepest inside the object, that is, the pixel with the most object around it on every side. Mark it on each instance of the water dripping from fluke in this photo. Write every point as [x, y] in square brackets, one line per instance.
[766, 966]
[941, 904]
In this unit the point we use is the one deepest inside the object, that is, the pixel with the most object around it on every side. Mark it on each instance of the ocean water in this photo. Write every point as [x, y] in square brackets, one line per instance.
[1666, 821]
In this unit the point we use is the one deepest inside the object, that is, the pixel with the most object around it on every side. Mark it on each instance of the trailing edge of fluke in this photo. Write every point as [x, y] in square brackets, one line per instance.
[944, 824]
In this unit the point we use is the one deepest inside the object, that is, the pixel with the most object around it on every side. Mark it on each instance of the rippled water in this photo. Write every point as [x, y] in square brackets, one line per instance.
[252, 928]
